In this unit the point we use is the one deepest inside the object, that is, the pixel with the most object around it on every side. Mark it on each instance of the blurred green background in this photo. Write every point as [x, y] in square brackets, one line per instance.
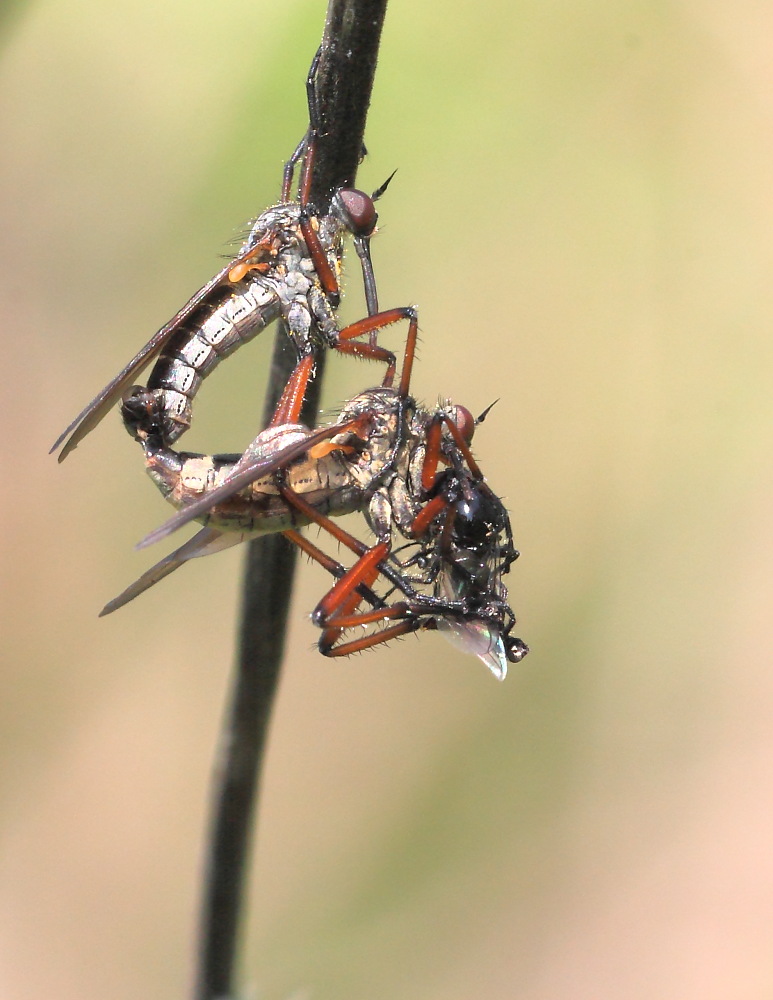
[583, 213]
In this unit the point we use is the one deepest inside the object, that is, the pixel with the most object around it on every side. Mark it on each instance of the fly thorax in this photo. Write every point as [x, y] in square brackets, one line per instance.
[273, 220]
[480, 519]
[382, 399]
[376, 412]
[375, 460]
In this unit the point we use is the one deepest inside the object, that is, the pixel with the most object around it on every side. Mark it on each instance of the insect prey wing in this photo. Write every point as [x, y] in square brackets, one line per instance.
[240, 479]
[478, 638]
[204, 543]
[89, 417]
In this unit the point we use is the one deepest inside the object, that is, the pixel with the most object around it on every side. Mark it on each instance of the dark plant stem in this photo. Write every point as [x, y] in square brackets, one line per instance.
[344, 83]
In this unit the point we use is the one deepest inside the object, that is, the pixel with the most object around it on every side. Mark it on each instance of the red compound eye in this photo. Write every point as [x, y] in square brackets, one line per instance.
[465, 421]
[359, 210]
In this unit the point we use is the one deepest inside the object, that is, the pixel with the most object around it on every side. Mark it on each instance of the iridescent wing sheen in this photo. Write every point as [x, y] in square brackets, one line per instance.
[479, 638]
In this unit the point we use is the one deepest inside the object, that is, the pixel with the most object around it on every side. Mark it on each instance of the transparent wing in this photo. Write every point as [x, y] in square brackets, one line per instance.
[204, 543]
[89, 417]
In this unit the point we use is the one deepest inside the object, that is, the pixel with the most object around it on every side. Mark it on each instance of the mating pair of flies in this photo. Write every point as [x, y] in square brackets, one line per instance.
[443, 539]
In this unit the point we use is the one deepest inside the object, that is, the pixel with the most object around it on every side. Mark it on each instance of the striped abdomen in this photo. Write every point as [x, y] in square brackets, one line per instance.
[325, 483]
[211, 334]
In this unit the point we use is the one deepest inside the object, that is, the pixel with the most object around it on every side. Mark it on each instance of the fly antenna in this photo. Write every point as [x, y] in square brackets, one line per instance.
[380, 190]
[486, 412]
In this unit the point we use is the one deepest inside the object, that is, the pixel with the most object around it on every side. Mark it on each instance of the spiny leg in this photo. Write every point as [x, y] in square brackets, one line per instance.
[308, 139]
[333, 567]
[288, 409]
[337, 609]
[347, 344]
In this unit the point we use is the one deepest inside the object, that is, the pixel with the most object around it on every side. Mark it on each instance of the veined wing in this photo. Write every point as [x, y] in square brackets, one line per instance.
[89, 417]
[204, 543]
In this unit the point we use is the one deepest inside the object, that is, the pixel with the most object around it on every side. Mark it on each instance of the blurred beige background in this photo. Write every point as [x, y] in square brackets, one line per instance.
[583, 212]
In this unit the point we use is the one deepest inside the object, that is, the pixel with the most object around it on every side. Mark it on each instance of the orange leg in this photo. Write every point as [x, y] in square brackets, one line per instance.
[463, 446]
[331, 565]
[431, 457]
[288, 409]
[337, 610]
[307, 149]
[346, 343]
[427, 515]
[291, 401]
[433, 454]
[373, 639]
[322, 266]
[344, 598]
[340, 534]
[314, 126]
[341, 598]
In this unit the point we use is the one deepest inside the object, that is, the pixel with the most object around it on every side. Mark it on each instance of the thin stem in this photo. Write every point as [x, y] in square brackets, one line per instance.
[345, 79]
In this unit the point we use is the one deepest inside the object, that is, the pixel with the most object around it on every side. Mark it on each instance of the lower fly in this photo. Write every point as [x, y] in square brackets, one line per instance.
[410, 472]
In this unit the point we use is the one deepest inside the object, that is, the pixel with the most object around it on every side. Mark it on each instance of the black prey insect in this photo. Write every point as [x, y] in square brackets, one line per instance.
[408, 469]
